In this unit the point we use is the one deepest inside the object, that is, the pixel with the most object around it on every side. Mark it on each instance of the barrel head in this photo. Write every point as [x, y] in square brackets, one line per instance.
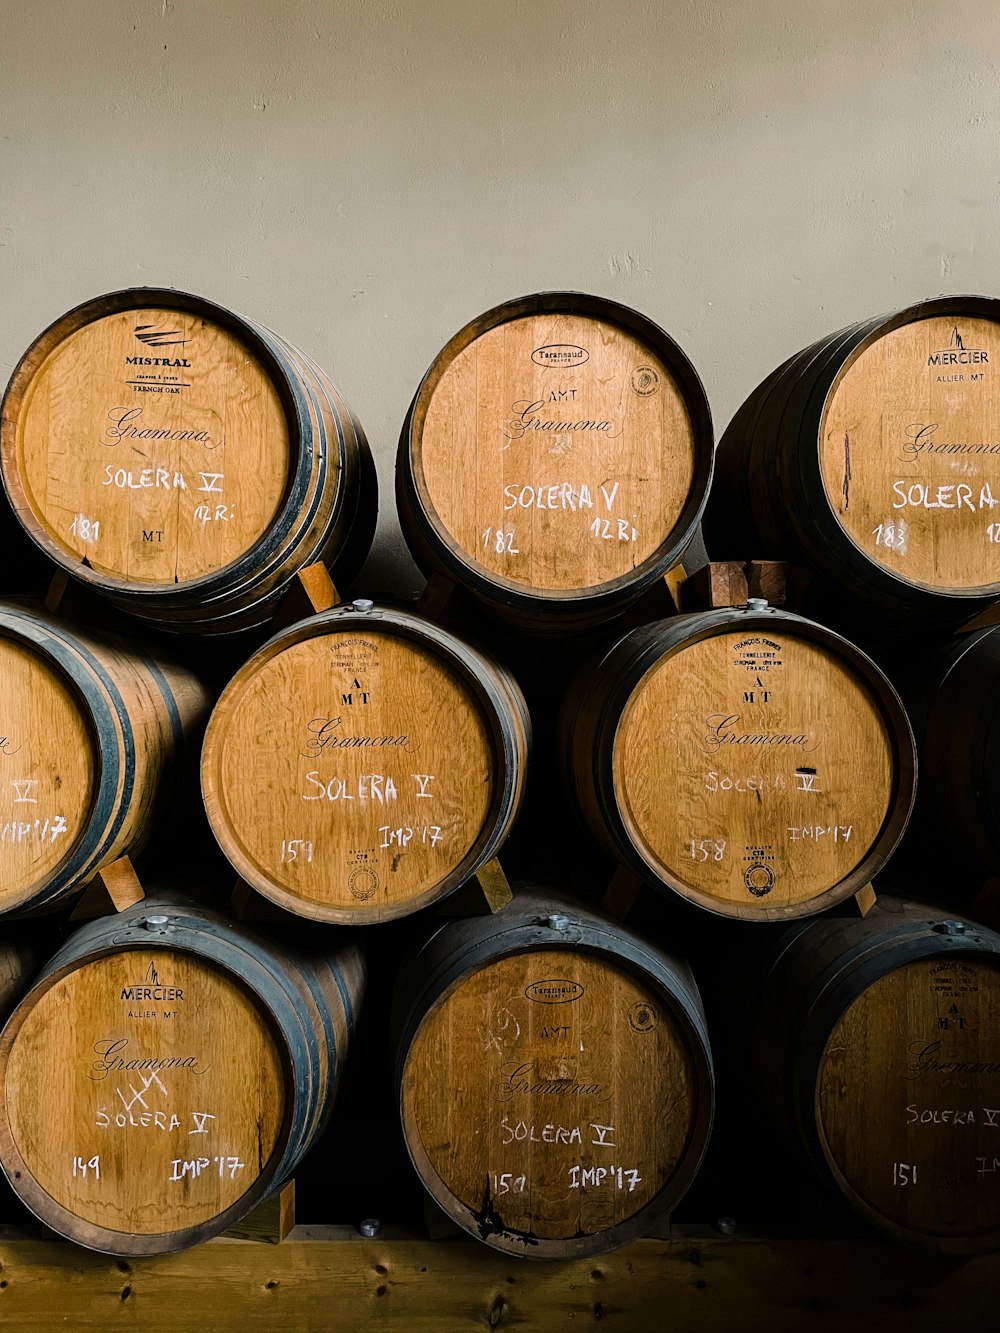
[550, 1103]
[149, 442]
[144, 1098]
[354, 771]
[557, 453]
[910, 452]
[754, 770]
[907, 1101]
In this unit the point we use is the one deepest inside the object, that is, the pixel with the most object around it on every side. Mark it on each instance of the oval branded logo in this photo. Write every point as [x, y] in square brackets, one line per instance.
[560, 354]
[554, 992]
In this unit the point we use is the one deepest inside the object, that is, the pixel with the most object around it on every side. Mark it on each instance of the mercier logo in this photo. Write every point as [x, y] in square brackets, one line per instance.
[151, 988]
[957, 354]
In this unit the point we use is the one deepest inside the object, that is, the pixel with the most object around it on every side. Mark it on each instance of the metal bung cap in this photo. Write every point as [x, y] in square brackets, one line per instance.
[363, 604]
[952, 928]
[756, 603]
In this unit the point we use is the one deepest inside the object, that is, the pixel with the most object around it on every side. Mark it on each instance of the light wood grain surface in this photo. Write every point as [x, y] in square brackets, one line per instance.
[525, 427]
[155, 474]
[50, 759]
[753, 768]
[388, 780]
[899, 452]
[138, 1115]
[95, 729]
[328, 1278]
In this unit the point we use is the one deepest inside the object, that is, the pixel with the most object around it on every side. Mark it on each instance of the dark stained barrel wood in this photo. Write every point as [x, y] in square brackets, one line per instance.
[753, 762]
[877, 1052]
[873, 457]
[93, 733]
[182, 461]
[20, 962]
[364, 764]
[556, 459]
[555, 1077]
[167, 1071]
[956, 713]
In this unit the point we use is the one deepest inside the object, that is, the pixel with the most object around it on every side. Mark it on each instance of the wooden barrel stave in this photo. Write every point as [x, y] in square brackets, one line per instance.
[312, 519]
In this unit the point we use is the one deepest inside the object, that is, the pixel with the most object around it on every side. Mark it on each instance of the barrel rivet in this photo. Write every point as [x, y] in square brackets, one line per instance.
[364, 604]
[156, 924]
[756, 603]
[371, 1226]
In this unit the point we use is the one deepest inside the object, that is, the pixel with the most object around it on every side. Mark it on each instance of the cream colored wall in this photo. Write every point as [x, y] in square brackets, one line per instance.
[365, 177]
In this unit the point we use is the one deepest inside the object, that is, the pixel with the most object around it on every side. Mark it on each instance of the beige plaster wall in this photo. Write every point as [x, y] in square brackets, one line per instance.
[365, 177]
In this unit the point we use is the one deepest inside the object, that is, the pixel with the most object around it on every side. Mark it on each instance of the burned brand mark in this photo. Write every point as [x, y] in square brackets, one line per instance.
[554, 992]
[523, 1079]
[112, 1059]
[926, 1058]
[324, 734]
[957, 354]
[562, 355]
[123, 427]
[726, 729]
[151, 988]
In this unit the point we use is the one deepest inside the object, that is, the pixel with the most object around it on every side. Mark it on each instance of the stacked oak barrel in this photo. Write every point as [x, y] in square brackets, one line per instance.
[691, 794]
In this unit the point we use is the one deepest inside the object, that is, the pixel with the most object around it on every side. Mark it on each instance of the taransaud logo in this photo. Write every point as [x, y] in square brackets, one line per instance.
[560, 354]
[555, 991]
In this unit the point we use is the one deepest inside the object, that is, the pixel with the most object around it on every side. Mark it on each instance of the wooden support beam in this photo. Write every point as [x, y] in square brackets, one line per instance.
[332, 1278]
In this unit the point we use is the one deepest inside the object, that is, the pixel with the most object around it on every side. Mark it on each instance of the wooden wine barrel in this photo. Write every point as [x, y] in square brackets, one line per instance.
[751, 761]
[953, 703]
[873, 457]
[199, 1065]
[556, 459]
[182, 461]
[363, 764]
[20, 962]
[877, 1052]
[555, 1077]
[93, 733]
